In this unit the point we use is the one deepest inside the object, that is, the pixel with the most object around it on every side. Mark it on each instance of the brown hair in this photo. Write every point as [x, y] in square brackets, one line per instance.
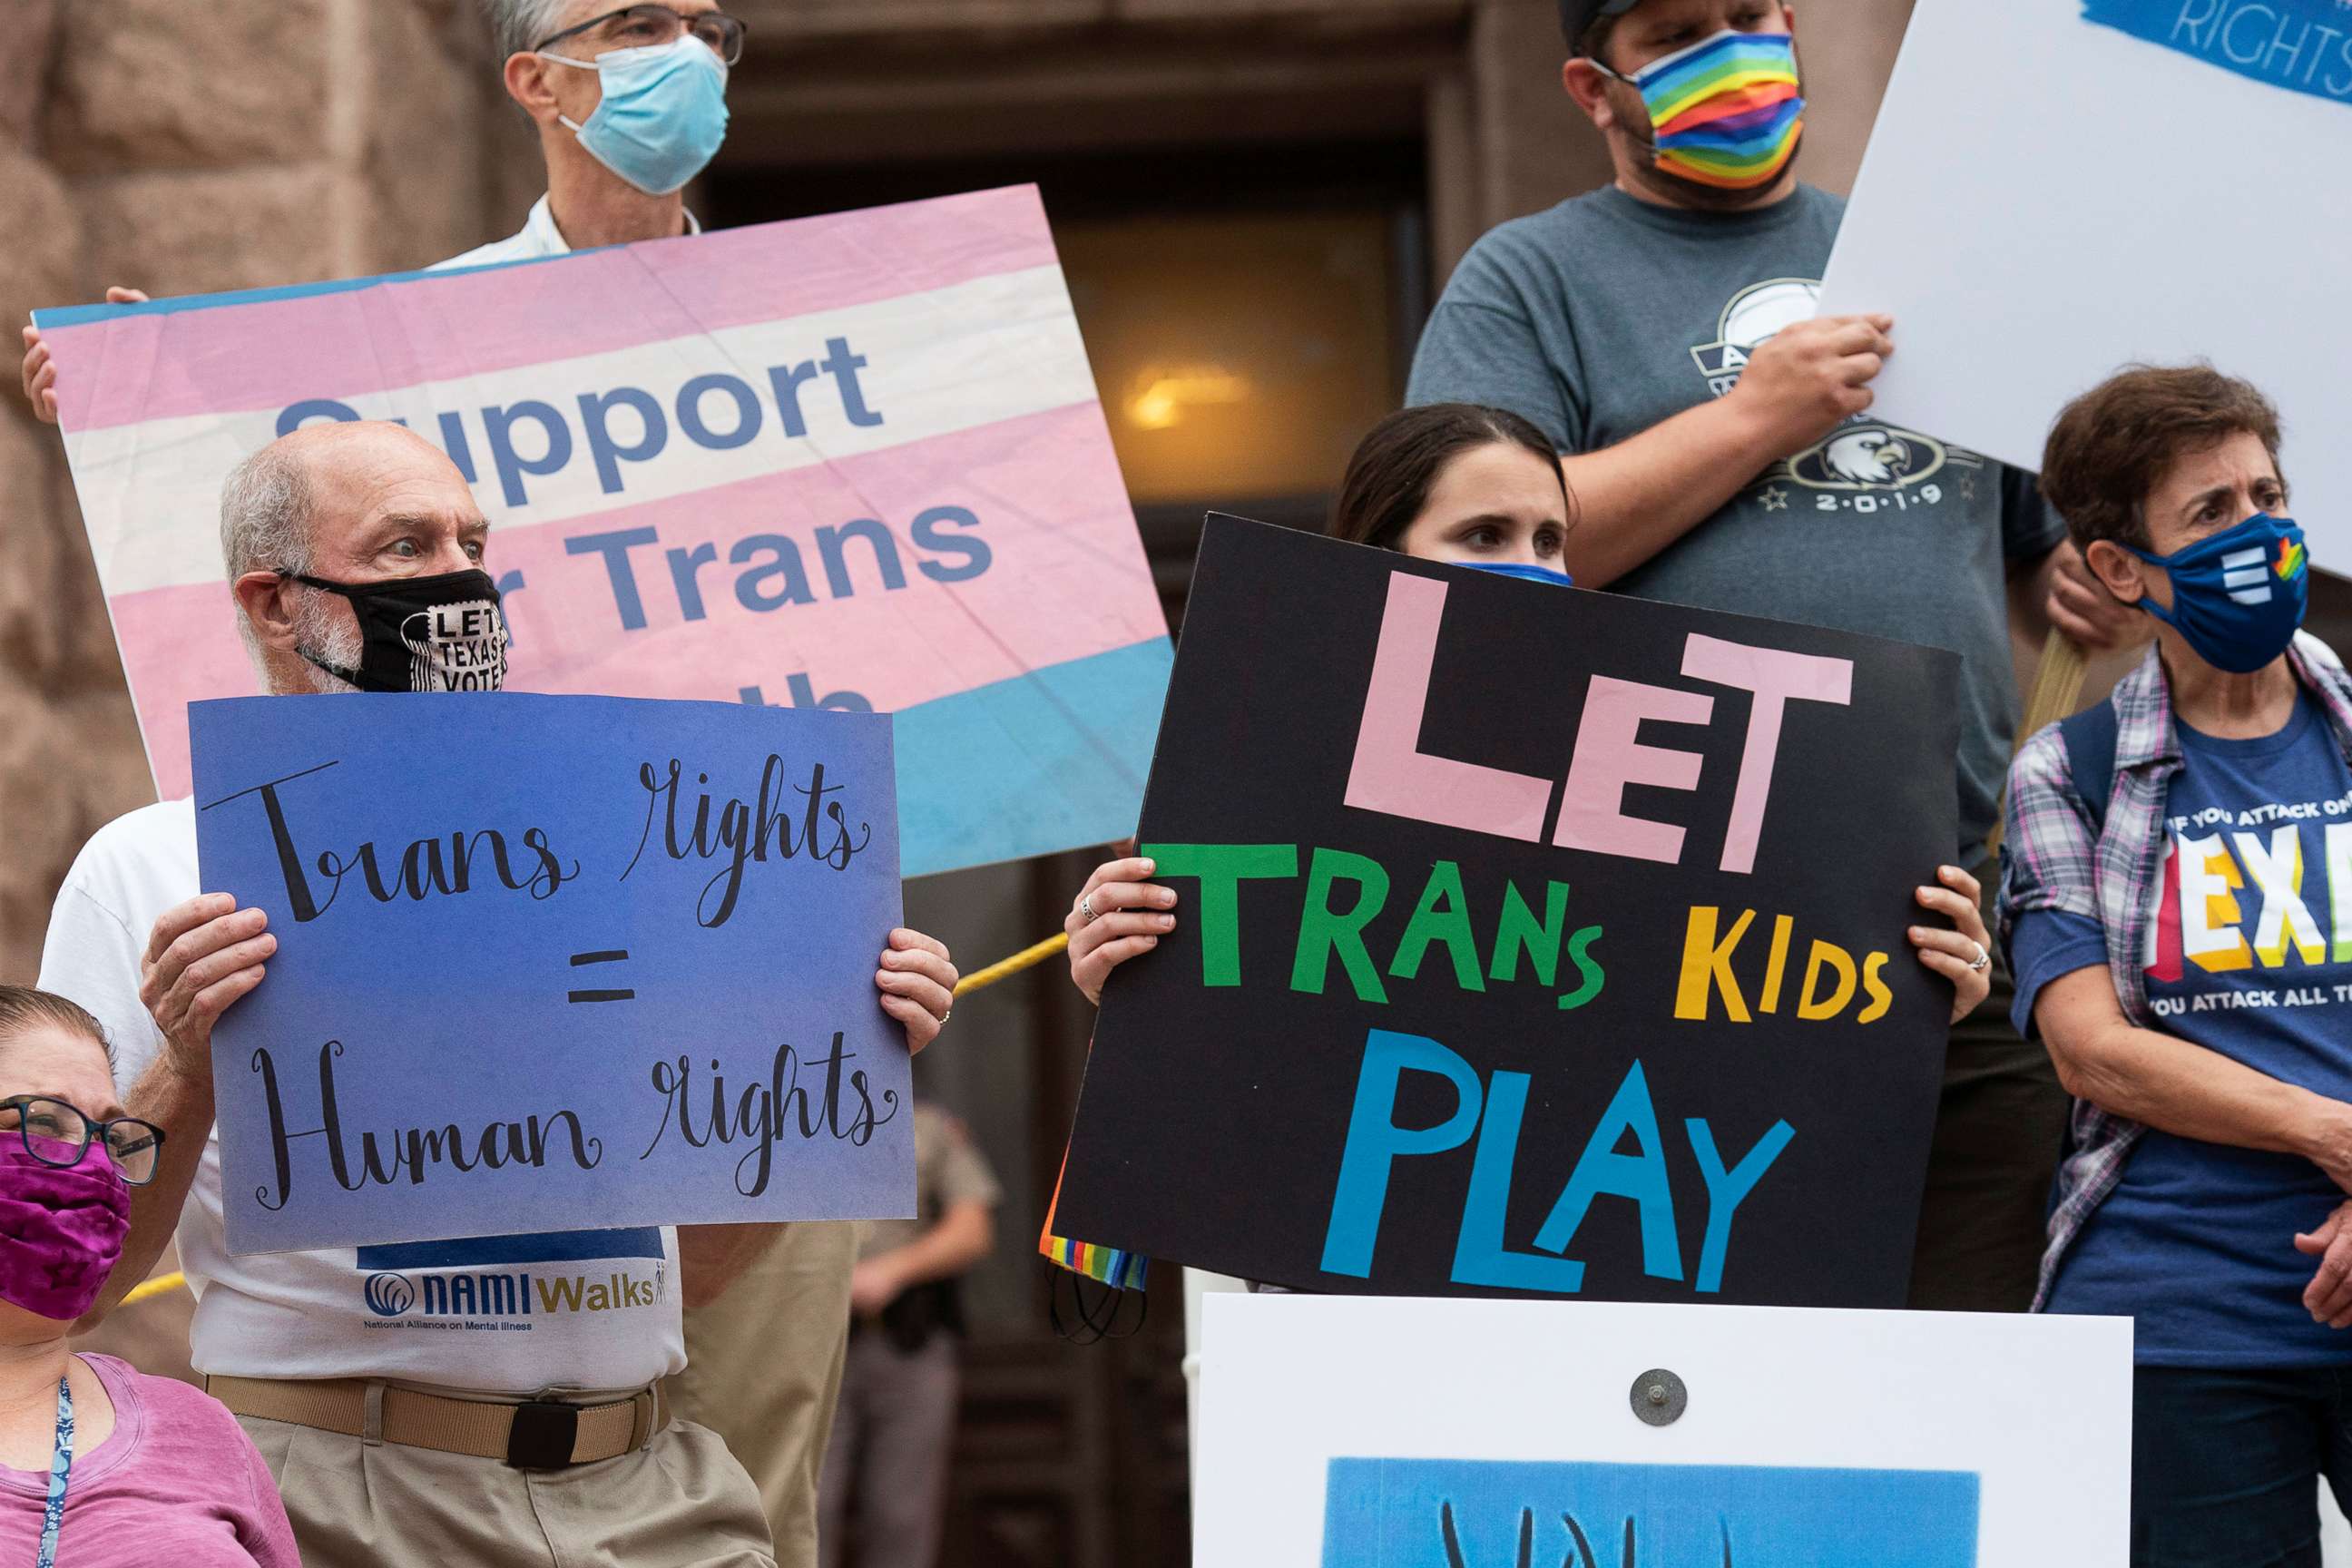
[2116, 443]
[23, 1009]
[1390, 477]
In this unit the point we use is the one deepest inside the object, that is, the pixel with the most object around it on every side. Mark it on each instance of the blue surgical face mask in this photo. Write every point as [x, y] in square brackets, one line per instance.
[1520, 568]
[2238, 598]
[664, 113]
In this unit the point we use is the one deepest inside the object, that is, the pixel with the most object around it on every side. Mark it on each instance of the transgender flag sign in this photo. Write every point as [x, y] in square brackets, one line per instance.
[853, 461]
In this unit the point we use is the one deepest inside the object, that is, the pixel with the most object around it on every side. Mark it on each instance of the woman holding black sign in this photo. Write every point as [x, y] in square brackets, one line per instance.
[2177, 905]
[1481, 488]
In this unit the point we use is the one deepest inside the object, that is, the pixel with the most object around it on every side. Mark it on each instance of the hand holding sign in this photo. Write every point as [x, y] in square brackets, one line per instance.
[1593, 991]
[550, 962]
[201, 957]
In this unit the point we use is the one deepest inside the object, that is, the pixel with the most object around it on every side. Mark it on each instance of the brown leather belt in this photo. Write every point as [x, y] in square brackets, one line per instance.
[537, 1435]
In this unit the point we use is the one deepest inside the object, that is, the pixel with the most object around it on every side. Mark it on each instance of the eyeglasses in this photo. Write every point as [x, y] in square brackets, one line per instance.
[651, 26]
[56, 1133]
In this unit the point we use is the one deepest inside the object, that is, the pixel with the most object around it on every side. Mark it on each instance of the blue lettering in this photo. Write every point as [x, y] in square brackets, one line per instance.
[499, 423]
[831, 550]
[1640, 1176]
[1725, 1193]
[1479, 1256]
[689, 412]
[803, 694]
[977, 557]
[1374, 1141]
[461, 451]
[844, 366]
[596, 414]
[310, 408]
[785, 567]
[685, 569]
[615, 548]
[787, 381]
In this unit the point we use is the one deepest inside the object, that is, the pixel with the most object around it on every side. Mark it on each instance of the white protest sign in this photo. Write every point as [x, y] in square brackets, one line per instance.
[1455, 1434]
[2057, 188]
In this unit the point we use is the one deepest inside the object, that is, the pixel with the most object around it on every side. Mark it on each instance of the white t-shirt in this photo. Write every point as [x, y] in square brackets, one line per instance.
[586, 1311]
[539, 237]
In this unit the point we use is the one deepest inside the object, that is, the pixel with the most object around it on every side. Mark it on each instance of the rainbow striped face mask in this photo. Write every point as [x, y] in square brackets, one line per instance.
[1726, 112]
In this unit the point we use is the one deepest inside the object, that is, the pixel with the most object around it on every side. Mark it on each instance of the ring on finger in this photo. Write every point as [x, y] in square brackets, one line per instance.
[1087, 909]
[1982, 961]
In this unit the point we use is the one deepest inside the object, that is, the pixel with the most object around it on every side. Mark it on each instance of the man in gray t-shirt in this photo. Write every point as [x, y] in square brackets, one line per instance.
[1718, 442]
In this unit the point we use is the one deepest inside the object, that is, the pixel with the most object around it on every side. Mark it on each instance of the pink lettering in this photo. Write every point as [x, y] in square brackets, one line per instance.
[1609, 756]
[1392, 773]
[1777, 676]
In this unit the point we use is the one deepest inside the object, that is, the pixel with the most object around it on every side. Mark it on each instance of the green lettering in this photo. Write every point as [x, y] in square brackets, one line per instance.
[1578, 948]
[1518, 931]
[1220, 869]
[1322, 931]
[564, 1293]
[1441, 916]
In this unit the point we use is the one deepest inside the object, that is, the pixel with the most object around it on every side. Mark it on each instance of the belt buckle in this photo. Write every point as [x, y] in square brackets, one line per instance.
[542, 1436]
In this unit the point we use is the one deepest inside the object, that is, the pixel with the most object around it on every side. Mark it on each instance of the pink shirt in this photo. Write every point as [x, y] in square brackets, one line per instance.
[177, 1480]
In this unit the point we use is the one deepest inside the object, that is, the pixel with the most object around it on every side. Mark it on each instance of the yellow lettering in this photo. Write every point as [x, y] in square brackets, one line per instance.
[1826, 955]
[1706, 965]
[1880, 998]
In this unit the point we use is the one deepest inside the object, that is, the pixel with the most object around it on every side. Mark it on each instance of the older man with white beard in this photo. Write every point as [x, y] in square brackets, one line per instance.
[394, 1445]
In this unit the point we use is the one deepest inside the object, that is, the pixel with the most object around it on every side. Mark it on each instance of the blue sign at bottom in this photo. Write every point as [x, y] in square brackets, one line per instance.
[1460, 1513]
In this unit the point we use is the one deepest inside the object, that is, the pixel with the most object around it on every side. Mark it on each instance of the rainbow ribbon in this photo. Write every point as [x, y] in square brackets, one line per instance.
[1727, 113]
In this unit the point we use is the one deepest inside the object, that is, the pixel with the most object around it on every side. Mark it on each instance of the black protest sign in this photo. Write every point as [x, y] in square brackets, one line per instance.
[1532, 942]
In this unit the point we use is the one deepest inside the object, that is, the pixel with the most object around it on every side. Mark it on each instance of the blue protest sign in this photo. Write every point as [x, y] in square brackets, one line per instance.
[552, 963]
[2302, 46]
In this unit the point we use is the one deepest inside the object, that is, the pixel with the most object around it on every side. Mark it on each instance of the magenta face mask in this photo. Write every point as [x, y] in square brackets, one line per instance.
[61, 1228]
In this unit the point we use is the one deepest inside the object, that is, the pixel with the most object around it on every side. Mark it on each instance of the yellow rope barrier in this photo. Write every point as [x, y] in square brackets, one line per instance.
[1028, 958]
[147, 1290]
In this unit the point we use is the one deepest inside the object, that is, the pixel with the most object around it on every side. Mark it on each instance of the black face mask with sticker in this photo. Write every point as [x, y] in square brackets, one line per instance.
[443, 632]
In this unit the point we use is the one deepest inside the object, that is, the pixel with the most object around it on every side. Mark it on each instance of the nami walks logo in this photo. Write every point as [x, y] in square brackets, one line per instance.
[507, 1283]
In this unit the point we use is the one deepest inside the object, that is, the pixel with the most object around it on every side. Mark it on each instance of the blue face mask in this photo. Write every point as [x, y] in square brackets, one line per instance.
[1521, 570]
[663, 116]
[2238, 598]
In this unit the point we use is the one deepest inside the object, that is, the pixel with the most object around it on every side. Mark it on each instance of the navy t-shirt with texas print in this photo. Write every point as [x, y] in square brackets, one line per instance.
[2250, 955]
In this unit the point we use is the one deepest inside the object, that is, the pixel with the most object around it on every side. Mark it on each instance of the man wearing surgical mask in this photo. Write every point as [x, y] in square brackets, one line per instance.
[355, 554]
[631, 104]
[1721, 442]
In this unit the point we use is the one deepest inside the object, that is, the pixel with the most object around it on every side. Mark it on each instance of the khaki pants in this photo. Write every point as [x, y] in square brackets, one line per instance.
[764, 1368]
[886, 1465]
[681, 1501]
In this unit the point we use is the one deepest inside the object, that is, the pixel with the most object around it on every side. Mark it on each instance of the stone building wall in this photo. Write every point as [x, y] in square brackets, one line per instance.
[182, 148]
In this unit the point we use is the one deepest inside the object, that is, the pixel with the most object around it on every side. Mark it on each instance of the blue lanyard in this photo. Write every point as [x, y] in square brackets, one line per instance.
[61, 1469]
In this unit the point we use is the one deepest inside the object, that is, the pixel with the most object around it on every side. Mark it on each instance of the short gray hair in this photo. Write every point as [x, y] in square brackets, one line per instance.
[266, 514]
[517, 26]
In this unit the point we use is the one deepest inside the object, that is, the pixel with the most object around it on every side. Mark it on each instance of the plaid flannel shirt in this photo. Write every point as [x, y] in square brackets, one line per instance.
[2051, 861]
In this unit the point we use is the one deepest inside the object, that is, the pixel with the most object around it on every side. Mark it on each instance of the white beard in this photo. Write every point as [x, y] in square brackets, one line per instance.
[325, 634]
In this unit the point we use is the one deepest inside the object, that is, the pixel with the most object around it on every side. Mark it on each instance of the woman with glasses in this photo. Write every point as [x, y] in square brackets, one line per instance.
[99, 1461]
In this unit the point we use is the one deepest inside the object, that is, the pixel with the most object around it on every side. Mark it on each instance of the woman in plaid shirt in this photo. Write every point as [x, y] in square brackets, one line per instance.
[2177, 901]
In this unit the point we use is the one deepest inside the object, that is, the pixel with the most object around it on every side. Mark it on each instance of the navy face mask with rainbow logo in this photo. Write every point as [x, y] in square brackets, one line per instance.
[2238, 597]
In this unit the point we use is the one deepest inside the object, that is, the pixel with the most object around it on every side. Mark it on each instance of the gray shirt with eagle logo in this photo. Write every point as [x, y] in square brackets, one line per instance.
[1607, 316]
